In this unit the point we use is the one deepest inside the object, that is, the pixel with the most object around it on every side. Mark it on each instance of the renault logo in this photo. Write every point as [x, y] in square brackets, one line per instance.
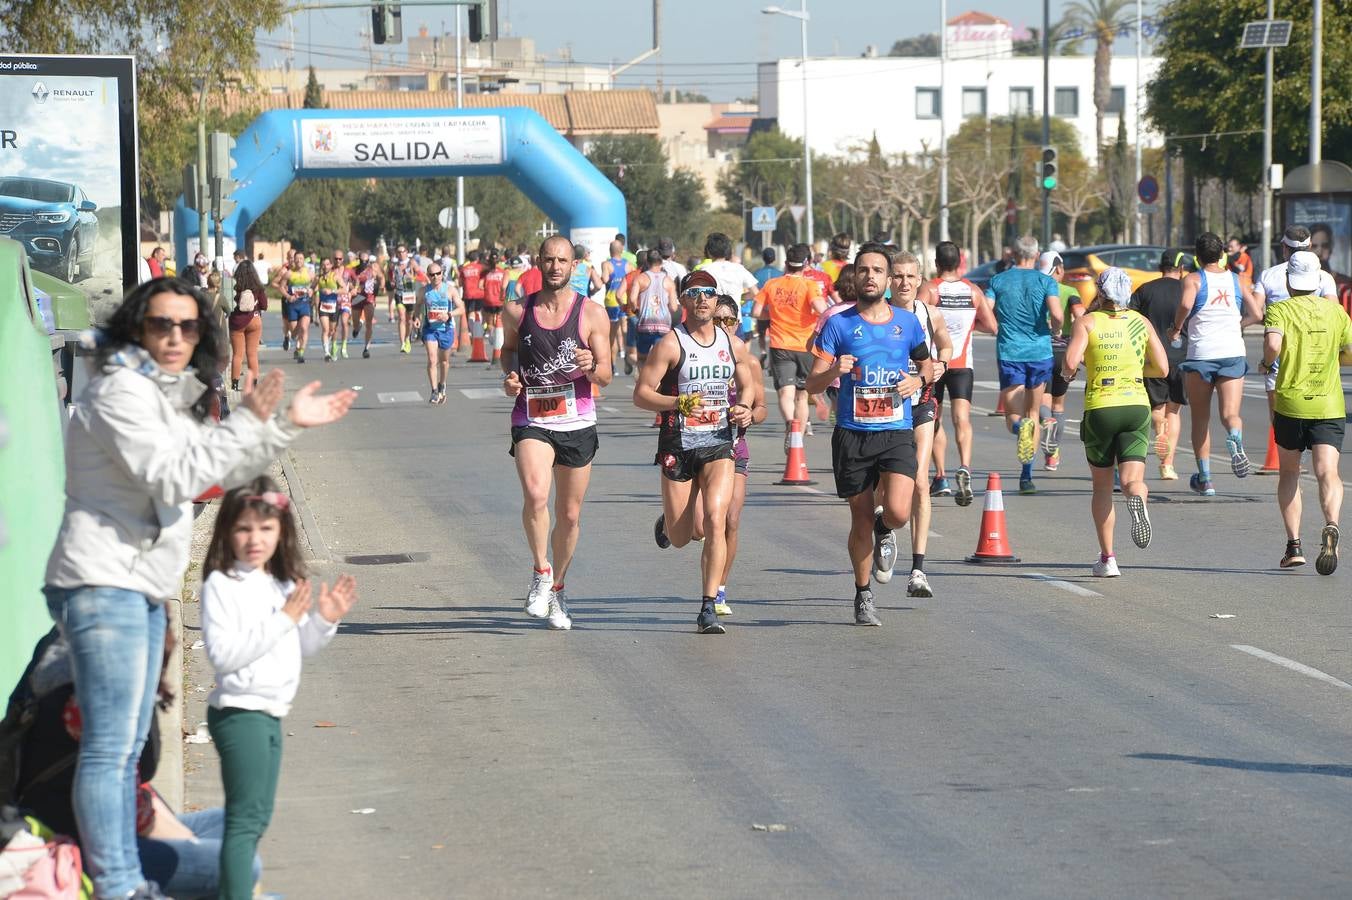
[40, 92]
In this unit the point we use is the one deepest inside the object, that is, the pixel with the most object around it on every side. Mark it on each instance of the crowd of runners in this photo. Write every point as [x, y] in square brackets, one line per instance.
[862, 339]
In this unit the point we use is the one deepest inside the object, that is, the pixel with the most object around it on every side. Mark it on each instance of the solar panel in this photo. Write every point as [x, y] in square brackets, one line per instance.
[1268, 33]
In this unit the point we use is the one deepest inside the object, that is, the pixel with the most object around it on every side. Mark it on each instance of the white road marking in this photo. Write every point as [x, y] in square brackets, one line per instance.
[400, 397]
[1063, 585]
[1294, 666]
[483, 393]
[609, 409]
[810, 490]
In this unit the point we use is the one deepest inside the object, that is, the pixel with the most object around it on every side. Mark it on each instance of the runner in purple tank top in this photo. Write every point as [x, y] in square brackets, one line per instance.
[555, 348]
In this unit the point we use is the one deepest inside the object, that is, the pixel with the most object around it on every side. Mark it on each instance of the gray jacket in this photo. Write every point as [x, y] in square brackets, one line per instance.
[135, 459]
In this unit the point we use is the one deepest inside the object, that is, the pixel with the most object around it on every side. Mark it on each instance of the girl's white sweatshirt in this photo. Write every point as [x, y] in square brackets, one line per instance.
[255, 647]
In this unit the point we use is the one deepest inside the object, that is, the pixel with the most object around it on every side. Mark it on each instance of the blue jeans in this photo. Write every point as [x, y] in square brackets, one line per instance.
[187, 870]
[116, 640]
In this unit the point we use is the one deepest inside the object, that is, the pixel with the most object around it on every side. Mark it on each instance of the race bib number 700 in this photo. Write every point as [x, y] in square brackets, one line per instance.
[549, 404]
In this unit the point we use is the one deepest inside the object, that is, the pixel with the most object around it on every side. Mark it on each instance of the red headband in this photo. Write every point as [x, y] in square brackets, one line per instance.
[271, 498]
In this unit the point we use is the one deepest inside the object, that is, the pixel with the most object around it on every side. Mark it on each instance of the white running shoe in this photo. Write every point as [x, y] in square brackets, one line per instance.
[559, 620]
[537, 598]
[1106, 568]
[919, 585]
[884, 553]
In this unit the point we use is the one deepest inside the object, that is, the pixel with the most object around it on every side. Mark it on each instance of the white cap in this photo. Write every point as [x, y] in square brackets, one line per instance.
[1048, 261]
[1302, 271]
[1116, 286]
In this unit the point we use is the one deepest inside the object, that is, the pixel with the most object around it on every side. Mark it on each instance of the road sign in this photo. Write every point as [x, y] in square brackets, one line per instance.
[446, 218]
[1148, 189]
[797, 213]
[1148, 209]
[763, 218]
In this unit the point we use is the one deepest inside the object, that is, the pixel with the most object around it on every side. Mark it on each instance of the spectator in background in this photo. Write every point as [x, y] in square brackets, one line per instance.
[837, 255]
[155, 262]
[246, 323]
[262, 268]
[1239, 262]
[139, 447]
[675, 271]
[1057, 245]
[199, 272]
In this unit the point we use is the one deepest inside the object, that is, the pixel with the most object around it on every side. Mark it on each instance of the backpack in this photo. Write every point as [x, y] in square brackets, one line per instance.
[20, 715]
[246, 302]
[48, 865]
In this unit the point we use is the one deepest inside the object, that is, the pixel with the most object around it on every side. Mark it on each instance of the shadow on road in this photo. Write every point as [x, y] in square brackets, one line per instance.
[1339, 771]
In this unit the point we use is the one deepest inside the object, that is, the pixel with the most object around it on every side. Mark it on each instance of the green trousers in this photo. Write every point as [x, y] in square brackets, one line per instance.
[250, 747]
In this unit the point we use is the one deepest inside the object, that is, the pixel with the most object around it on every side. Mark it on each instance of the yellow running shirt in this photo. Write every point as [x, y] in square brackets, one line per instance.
[1313, 330]
[1115, 360]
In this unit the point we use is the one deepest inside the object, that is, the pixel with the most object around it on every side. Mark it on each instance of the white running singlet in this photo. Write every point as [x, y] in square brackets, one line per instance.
[959, 309]
[1213, 323]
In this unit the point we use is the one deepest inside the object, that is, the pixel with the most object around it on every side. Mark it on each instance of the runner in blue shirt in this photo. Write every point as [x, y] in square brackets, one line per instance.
[869, 349]
[1028, 309]
[438, 306]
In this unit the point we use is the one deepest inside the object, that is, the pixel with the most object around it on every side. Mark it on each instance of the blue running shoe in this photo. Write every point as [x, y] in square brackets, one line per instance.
[1199, 486]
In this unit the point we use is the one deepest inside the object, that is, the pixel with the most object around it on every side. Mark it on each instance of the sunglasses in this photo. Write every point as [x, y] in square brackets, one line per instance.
[726, 321]
[697, 292]
[159, 326]
[433, 274]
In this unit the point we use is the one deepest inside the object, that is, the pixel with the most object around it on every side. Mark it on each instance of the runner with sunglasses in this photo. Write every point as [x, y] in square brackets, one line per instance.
[370, 282]
[690, 378]
[438, 306]
[404, 272]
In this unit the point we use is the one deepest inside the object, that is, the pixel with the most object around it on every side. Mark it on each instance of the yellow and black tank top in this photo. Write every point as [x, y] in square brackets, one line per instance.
[1114, 360]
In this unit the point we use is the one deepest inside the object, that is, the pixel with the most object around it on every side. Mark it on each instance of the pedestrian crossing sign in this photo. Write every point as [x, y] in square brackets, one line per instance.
[763, 218]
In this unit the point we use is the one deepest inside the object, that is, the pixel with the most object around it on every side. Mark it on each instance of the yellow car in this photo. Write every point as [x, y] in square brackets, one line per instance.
[1085, 264]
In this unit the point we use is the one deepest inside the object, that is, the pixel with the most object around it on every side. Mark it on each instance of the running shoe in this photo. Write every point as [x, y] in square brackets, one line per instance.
[286, 342]
[234, 385]
[433, 399]
[628, 366]
[1140, 521]
[964, 479]
[1026, 486]
[807, 429]
[406, 347]
[1026, 442]
[708, 623]
[919, 585]
[1167, 472]
[1327, 560]
[295, 354]
[884, 552]
[1051, 437]
[864, 611]
[1117, 482]
[366, 353]
[1053, 461]
[1199, 486]
[328, 357]
[1239, 460]
[537, 598]
[1106, 568]
[660, 532]
[940, 487]
[721, 604]
[344, 349]
[559, 620]
[1294, 556]
[300, 359]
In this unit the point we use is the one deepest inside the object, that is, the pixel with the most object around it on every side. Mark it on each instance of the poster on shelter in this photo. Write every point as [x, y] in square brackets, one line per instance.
[68, 185]
[1330, 224]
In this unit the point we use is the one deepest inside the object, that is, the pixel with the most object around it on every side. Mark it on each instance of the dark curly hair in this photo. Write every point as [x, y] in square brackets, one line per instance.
[286, 563]
[128, 320]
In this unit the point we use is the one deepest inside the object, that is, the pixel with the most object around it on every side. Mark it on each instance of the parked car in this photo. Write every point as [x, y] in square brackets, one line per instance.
[1084, 265]
[981, 275]
[54, 221]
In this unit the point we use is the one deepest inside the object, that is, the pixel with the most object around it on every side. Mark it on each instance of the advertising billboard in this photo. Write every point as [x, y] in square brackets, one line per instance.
[68, 171]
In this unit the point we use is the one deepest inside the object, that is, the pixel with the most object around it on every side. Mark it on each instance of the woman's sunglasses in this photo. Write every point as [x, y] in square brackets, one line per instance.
[160, 326]
[726, 321]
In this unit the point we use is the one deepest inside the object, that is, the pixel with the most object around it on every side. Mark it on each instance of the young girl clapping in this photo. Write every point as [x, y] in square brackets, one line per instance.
[257, 624]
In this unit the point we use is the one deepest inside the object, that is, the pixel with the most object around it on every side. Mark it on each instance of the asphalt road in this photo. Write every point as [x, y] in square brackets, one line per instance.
[1028, 732]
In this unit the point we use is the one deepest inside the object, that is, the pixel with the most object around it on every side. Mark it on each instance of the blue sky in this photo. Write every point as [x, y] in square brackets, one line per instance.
[710, 46]
[64, 140]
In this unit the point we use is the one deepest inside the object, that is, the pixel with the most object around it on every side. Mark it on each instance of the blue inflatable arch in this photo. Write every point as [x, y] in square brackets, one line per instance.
[283, 145]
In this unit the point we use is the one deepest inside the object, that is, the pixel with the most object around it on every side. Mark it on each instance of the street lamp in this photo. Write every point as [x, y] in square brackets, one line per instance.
[801, 15]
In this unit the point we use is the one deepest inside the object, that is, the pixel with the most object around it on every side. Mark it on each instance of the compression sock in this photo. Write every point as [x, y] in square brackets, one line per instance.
[1237, 437]
[706, 603]
[860, 591]
[879, 527]
[1204, 469]
[1059, 415]
[918, 562]
[1026, 473]
[1014, 425]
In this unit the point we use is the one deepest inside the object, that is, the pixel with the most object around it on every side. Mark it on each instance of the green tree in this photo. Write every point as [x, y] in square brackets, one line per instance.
[768, 172]
[659, 204]
[1099, 21]
[314, 94]
[315, 215]
[916, 45]
[1205, 83]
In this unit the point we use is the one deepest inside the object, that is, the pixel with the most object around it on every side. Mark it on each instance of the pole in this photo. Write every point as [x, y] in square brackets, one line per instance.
[807, 147]
[1046, 114]
[943, 122]
[1136, 127]
[1265, 253]
[202, 187]
[1316, 84]
[459, 179]
[1168, 196]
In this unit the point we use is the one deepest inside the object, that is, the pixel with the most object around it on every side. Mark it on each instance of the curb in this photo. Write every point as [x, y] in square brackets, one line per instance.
[314, 537]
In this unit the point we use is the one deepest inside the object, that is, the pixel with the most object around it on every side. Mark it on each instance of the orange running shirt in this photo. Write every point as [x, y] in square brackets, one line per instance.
[788, 301]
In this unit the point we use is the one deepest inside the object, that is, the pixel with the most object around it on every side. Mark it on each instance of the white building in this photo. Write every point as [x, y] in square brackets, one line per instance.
[983, 79]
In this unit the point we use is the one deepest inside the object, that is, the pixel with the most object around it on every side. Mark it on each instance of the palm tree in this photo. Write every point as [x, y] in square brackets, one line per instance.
[1100, 21]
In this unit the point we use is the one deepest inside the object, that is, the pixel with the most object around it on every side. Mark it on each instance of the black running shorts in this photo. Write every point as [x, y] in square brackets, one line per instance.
[957, 383]
[572, 449]
[790, 367]
[683, 465]
[859, 457]
[1168, 389]
[1303, 434]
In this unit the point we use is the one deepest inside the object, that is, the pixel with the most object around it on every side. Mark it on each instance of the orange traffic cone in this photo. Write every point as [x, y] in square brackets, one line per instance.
[795, 464]
[992, 543]
[999, 406]
[478, 353]
[1270, 464]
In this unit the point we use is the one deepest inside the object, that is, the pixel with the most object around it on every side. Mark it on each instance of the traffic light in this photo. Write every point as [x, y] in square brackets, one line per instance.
[483, 21]
[220, 166]
[387, 23]
[1048, 170]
